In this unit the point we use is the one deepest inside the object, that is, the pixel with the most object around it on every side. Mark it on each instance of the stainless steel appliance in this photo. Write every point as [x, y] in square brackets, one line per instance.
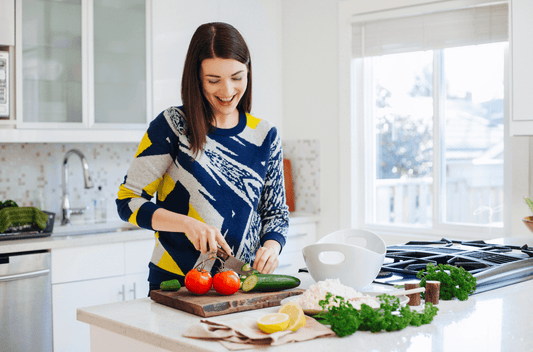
[26, 293]
[494, 265]
[4, 84]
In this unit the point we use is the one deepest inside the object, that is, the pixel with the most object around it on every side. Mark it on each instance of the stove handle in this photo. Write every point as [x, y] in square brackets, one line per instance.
[504, 270]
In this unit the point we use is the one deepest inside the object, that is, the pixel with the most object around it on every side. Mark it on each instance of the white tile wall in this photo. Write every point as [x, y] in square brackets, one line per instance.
[305, 163]
[30, 174]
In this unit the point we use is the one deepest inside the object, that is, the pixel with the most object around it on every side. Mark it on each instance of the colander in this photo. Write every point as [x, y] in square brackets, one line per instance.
[354, 256]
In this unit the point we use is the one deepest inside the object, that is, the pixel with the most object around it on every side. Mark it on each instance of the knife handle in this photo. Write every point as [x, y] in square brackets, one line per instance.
[222, 254]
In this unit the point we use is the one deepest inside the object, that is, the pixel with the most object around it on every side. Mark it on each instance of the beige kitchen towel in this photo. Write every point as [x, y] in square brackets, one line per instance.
[242, 333]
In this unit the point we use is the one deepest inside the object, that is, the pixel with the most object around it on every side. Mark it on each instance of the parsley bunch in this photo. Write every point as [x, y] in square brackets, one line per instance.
[457, 283]
[345, 319]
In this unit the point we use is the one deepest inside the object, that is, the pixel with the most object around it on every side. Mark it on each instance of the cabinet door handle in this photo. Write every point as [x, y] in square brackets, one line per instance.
[297, 235]
[134, 290]
[123, 293]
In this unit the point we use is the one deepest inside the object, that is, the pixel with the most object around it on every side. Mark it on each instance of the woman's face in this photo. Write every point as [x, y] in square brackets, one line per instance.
[224, 82]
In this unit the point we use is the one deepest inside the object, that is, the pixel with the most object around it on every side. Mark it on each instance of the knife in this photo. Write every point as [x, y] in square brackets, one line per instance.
[231, 263]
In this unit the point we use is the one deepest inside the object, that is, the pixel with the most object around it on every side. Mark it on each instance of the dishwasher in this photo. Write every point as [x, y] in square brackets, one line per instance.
[26, 294]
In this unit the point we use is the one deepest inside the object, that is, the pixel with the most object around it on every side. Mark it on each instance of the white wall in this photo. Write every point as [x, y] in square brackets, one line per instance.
[258, 21]
[310, 81]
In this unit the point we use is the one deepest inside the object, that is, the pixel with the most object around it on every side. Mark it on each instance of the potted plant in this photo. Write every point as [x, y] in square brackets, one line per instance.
[528, 220]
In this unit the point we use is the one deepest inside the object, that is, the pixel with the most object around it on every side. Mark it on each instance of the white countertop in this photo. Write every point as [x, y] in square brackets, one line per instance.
[498, 320]
[102, 233]
[79, 235]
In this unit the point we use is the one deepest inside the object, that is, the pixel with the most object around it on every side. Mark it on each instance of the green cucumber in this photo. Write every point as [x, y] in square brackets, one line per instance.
[170, 285]
[269, 282]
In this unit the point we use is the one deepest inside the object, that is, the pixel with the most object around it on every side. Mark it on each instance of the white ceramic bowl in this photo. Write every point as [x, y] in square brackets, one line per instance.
[354, 256]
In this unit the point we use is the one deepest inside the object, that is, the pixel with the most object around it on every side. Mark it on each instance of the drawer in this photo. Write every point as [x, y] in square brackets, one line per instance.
[138, 255]
[87, 262]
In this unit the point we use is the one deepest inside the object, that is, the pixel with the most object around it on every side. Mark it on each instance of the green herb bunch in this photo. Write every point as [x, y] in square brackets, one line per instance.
[454, 281]
[345, 319]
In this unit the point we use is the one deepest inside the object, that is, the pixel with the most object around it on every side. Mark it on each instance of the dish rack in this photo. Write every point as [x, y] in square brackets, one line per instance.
[30, 231]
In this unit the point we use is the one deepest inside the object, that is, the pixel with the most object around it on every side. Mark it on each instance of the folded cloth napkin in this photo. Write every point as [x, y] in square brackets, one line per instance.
[242, 333]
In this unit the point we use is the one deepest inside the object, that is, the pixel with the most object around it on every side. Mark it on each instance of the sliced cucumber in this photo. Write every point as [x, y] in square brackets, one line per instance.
[246, 267]
[269, 282]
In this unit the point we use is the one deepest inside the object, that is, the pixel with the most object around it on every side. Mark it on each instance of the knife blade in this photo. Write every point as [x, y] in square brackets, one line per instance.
[230, 262]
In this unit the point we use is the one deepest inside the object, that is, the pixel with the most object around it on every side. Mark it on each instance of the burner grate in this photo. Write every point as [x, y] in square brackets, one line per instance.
[426, 249]
[491, 257]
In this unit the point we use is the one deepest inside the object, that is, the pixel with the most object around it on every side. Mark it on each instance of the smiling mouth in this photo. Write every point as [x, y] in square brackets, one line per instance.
[226, 101]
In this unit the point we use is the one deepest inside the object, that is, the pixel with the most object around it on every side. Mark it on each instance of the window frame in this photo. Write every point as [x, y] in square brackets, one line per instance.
[353, 145]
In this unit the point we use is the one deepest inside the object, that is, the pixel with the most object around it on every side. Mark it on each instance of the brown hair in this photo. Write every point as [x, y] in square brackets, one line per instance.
[211, 40]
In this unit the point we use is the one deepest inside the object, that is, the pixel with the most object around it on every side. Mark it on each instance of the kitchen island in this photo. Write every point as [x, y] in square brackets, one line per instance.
[498, 320]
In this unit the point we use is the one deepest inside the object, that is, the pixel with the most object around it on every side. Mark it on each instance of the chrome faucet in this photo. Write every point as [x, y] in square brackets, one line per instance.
[67, 210]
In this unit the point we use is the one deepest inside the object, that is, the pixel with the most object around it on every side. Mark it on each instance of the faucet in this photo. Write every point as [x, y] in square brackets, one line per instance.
[67, 210]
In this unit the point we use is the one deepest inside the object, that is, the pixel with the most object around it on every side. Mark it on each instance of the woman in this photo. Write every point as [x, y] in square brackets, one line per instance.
[217, 170]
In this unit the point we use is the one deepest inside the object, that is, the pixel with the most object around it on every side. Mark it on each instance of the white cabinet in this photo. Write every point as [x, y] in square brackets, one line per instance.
[521, 48]
[300, 234]
[7, 22]
[93, 275]
[82, 71]
[70, 334]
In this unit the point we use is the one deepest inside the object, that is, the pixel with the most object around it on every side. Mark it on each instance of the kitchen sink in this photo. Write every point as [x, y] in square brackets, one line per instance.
[92, 228]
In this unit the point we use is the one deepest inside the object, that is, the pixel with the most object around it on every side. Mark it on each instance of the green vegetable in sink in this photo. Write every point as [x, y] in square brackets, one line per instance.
[345, 319]
[17, 216]
[7, 204]
[457, 283]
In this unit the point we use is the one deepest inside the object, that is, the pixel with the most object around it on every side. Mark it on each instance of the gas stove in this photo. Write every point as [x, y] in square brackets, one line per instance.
[494, 265]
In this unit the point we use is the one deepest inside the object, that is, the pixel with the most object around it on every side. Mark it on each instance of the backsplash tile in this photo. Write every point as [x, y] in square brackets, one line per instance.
[31, 174]
[305, 163]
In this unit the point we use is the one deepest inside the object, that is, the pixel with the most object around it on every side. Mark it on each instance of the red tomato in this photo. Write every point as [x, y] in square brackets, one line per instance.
[198, 281]
[226, 282]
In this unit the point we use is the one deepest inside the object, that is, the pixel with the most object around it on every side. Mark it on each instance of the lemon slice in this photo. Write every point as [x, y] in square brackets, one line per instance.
[273, 322]
[295, 313]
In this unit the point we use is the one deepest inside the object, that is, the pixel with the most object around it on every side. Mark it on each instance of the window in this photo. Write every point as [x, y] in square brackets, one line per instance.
[433, 92]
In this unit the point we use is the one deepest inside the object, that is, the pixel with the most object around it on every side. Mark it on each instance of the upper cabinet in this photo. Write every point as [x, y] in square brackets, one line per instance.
[82, 71]
[521, 46]
[7, 22]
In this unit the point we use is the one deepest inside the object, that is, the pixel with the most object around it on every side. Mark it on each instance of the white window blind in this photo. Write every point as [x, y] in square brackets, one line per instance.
[438, 30]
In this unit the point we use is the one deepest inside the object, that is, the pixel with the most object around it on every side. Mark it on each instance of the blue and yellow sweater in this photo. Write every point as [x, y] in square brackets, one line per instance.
[236, 184]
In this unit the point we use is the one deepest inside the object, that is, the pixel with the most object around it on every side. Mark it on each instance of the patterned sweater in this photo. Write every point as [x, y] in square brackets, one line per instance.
[236, 184]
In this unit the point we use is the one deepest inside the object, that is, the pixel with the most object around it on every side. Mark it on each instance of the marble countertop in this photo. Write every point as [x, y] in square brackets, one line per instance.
[79, 235]
[100, 233]
[498, 320]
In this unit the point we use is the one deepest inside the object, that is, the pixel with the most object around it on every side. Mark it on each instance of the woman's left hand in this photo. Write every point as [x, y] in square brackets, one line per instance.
[266, 258]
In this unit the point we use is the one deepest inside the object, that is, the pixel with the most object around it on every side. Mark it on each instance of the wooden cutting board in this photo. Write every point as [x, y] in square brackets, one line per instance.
[212, 303]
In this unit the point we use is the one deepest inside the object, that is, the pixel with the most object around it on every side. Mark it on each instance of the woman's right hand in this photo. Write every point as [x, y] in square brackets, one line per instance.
[204, 237]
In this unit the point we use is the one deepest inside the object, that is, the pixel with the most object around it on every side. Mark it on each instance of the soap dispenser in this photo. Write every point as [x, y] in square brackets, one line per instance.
[100, 209]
